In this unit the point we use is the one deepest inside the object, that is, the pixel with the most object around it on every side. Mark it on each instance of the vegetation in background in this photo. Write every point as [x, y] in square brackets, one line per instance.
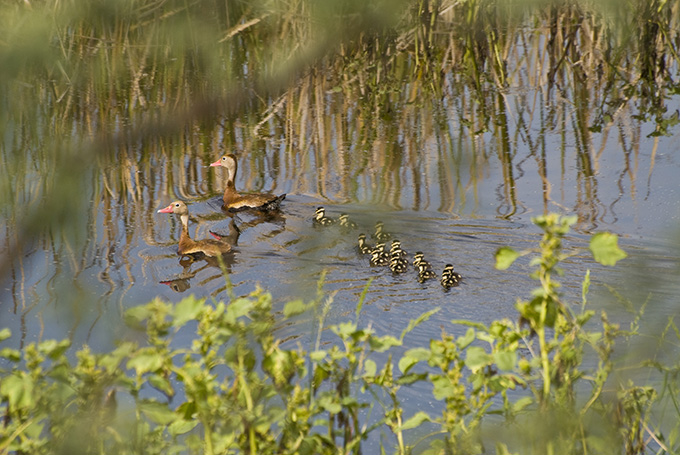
[236, 390]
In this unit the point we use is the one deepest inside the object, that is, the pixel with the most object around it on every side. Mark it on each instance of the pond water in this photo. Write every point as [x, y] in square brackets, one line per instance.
[455, 172]
[453, 204]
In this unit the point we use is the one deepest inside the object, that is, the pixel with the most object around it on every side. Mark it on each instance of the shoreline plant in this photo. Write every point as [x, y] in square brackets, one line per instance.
[234, 389]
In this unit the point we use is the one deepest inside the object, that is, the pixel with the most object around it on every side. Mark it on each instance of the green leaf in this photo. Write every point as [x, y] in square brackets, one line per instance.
[136, 315]
[506, 360]
[143, 363]
[605, 248]
[5, 333]
[382, 344]
[410, 378]
[477, 358]
[415, 322]
[370, 368]
[53, 349]
[181, 426]
[294, 308]
[329, 403]
[464, 341]
[17, 388]
[157, 412]
[505, 256]
[317, 356]
[187, 310]
[522, 403]
[161, 383]
[443, 388]
[415, 421]
[10, 354]
[411, 357]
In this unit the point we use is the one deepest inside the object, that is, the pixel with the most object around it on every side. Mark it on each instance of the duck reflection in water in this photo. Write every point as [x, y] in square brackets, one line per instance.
[183, 281]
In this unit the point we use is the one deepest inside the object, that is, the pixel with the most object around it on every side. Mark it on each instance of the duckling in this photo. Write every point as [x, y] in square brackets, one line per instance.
[397, 262]
[345, 222]
[379, 256]
[396, 247]
[364, 248]
[380, 235]
[417, 258]
[425, 271]
[398, 265]
[449, 277]
[320, 218]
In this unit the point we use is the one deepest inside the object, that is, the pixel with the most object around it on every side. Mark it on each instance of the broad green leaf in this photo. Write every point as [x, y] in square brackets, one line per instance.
[382, 344]
[143, 363]
[136, 315]
[181, 426]
[293, 308]
[10, 354]
[187, 310]
[157, 412]
[52, 348]
[411, 357]
[161, 383]
[506, 360]
[370, 368]
[443, 388]
[505, 256]
[5, 333]
[605, 248]
[317, 356]
[415, 420]
[464, 341]
[521, 403]
[329, 403]
[17, 389]
[477, 358]
[411, 378]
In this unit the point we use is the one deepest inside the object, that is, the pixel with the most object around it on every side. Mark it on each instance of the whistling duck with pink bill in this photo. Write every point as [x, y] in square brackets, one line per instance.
[234, 201]
[189, 247]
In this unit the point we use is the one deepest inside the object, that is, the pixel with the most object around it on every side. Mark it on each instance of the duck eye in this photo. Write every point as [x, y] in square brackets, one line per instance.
[224, 158]
[177, 205]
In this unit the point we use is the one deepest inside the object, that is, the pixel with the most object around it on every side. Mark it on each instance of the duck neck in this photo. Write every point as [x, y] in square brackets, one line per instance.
[184, 239]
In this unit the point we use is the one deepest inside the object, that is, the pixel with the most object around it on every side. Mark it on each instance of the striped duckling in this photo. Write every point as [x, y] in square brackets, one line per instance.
[396, 248]
[345, 222]
[425, 271]
[320, 218]
[364, 248]
[398, 263]
[379, 256]
[380, 234]
[418, 258]
[449, 277]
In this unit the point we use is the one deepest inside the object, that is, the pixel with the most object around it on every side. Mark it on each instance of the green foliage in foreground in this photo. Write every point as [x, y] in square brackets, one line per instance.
[235, 389]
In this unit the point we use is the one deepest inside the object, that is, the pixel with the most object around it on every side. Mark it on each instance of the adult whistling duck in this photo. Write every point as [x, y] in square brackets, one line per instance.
[188, 246]
[320, 218]
[234, 201]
